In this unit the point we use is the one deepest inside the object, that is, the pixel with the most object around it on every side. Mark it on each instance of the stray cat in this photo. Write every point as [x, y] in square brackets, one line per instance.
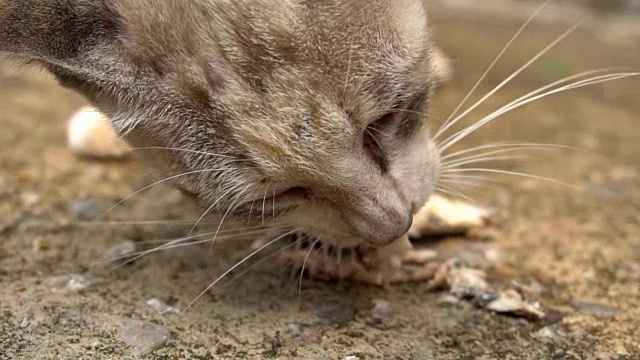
[312, 115]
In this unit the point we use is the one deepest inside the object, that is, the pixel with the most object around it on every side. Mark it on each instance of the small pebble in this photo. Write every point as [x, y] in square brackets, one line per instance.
[295, 328]
[144, 337]
[448, 299]
[351, 357]
[85, 210]
[41, 245]
[161, 307]
[553, 316]
[334, 313]
[120, 252]
[96, 173]
[381, 311]
[546, 333]
[29, 198]
[68, 283]
[309, 338]
[482, 300]
[90, 134]
[596, 309]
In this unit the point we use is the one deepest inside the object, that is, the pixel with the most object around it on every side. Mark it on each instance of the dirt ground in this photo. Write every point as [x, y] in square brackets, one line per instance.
[580, 246]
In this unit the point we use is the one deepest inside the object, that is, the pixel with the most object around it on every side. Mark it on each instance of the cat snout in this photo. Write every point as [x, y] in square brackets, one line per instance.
[381, 223]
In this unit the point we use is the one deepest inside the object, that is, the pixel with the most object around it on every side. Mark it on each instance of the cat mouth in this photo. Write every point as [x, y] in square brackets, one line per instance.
[294, 193]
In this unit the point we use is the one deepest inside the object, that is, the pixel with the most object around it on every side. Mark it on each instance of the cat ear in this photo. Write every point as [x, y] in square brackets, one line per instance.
[69, 37]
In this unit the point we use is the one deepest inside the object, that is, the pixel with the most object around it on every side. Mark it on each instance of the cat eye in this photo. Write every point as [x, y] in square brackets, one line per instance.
[372, 133]
[292, 192]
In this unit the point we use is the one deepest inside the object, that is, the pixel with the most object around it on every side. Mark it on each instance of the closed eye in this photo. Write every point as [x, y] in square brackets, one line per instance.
[371, 139]
[296, 192]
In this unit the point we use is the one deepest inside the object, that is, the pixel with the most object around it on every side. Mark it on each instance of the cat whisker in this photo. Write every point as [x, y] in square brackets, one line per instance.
[507, 172]
[224, 217]
[176, 243]
[273, 209]
[253, 202]
[445, 190]
[186, 150]
[509, 147]
[512, 76]
[368, 131]
[304, 264]
[448, 123]
[211, 207]
[490, 155]
[456, 164]
[270, 256]
[264, 201]
[237, 231]
[133, 222]
[470, 183]
[470, 177]
[528, 99]
[245, 259]
[158, 183]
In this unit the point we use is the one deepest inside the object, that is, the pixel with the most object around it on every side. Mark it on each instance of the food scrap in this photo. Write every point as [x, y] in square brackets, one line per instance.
[442, 216]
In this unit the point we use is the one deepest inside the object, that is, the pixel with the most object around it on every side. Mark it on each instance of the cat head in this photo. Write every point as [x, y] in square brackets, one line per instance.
[306, 114]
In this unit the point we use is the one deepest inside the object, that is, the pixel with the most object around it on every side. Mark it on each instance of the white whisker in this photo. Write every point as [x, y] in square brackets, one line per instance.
[304, 264]
[447, 191]
[211, 207]
[506, 172]
[528, 99]
[279, 251]
[510, 147]
[176, 243]
[224, 217]
[456, 164]
[157, 183]
[133, 222]
[185, 150]
[471, 183]
[237, 265]
[516, 73]
[448, 123]
[264, 200]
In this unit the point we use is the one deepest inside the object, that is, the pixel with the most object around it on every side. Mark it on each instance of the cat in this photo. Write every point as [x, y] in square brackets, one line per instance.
[312, 114]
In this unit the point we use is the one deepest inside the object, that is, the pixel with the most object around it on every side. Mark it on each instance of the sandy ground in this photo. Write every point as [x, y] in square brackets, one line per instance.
[580, 247]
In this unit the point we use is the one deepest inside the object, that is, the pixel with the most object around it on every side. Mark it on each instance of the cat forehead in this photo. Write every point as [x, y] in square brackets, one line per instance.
[277, 30]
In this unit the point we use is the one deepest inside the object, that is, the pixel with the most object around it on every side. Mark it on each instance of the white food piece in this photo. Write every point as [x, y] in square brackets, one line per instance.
[90, 134]
[161, 307]
[66, 284]
[512, 302]
[144, 337]
[441, 215]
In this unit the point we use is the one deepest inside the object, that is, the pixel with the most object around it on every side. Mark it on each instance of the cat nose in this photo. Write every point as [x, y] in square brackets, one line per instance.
[381, 221]
[385, 232]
